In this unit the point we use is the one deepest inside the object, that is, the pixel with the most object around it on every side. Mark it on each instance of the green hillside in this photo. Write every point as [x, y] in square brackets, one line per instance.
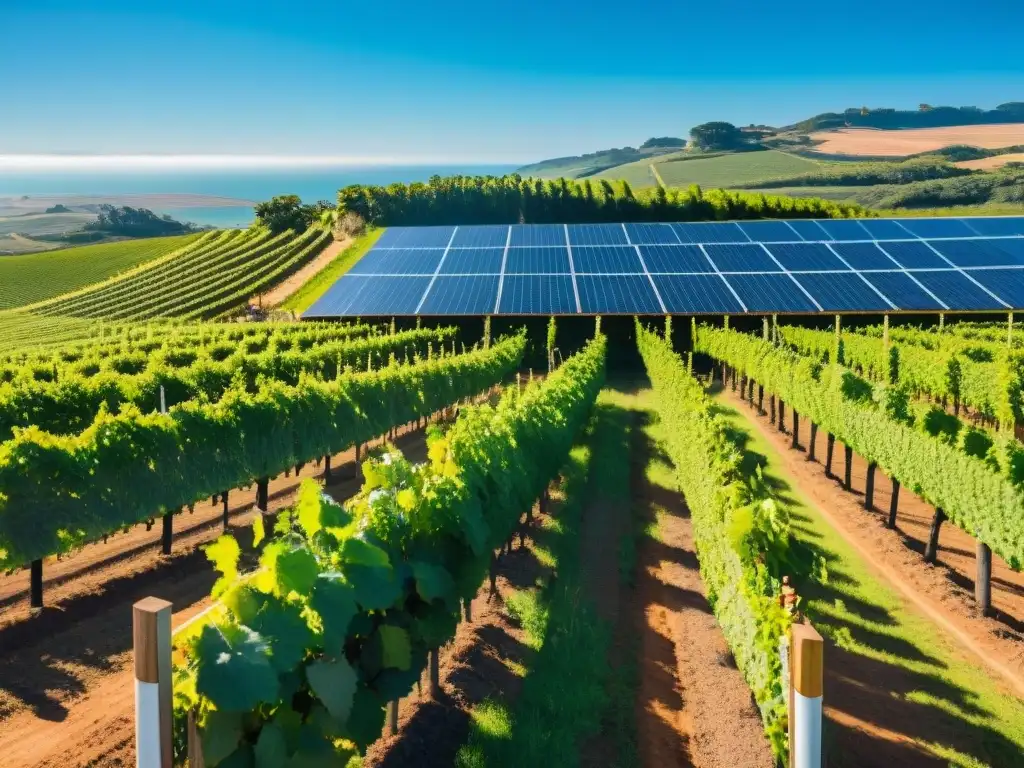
[579, 166]
[681, 169]
[32, 278]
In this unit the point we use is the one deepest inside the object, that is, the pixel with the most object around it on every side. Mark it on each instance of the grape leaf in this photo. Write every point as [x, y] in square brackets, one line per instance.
[355, 551]
[240, 758]
[224, 554]
[367, 718]
[375, 588]
[221, 734]
[394, 684]
[315, 751]
[244, 601]
[287, 632]
[296, 570]
[397, 650]
[334, 683]
[259, 531]
[271, 748]
[335, 601]
[233, 669]
[433, 582]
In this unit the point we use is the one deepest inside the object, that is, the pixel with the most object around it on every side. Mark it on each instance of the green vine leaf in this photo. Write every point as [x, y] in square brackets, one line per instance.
[334, 683]
[234, 670]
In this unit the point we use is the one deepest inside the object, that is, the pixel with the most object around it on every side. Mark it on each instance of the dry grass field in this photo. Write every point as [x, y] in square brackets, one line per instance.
[991, 163]
[872, 142]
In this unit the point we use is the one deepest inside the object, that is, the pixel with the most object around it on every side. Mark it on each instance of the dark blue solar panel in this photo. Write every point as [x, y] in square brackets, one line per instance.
[804, 256]
[741, 258]
[914, 255]
[675, 258]
[765, 231]
[538, 234]
[415, 237]
[472, 261]
[622, 259]
[480, 237]
[696, 294]
[929, 228]
[902, 291]
[770, 293]
[398, 261]
[882, 229]
[354, 295]
[597, 234]
[864, 255]
[994, 226]
[475, 295]
[809, 230]
[617, 294]
[714, 232]
[1007, 284]
[537, 295]
[842, 292]
[978, 253]
[956, 291]
[651, 234]
[844, 229]
[537, 260]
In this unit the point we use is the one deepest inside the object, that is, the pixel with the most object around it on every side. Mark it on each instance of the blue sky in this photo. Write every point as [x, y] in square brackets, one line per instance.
[473, 81]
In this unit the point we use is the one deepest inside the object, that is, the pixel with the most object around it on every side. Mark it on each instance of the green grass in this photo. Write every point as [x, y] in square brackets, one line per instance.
[31, 278]
[566, 694]
[682, 169]
[312, 290]
[933, 694]
[23, 330]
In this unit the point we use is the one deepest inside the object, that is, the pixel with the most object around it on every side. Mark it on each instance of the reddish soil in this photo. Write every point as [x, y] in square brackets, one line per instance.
[944, 591]
[66, 692]
[693, 707]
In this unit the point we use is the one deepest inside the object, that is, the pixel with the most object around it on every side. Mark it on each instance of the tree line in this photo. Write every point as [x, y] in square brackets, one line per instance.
[1003, 186]
[925, 116]
[512, 199]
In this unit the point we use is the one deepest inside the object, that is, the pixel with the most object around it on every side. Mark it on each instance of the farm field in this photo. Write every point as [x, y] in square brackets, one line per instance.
[989, 163]
[14, 245]
[723, 171]
[32, 278]
[882, 143]
[33, 224]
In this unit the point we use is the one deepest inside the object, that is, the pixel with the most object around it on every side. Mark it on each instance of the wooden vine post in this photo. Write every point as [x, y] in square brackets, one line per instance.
[796, 431]
[848, 475]
[894, 504]
[782, 416]
[931, 551]
[830, 445]
[151, 636]
[36, 585]
[869, 488]
[806, 688]
[983, 579]
[810, 445]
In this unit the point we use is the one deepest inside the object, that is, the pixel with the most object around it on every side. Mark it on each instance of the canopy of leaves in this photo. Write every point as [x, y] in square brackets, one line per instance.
[716, 135]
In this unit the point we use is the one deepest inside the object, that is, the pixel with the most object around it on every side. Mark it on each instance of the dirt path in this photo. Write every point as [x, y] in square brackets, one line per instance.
[943, 591]
[66, 694]
[277, 295]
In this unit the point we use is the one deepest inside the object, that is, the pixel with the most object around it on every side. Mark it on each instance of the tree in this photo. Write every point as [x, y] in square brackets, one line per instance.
[864, 111]
[286, 212]
[925, 107]
[716, 135]
[663, 141]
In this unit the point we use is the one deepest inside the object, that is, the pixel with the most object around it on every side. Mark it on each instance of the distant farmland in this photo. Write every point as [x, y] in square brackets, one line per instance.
[990, 163]
[878, 143]
[682, 170]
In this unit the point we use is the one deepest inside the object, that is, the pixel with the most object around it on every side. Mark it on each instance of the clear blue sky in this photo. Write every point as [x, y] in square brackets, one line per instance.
[472, 80]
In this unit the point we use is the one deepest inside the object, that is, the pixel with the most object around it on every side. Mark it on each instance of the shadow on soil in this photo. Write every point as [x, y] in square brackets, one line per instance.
[891, 686]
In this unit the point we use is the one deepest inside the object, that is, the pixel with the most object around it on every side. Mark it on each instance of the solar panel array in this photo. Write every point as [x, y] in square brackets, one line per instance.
[799, 266]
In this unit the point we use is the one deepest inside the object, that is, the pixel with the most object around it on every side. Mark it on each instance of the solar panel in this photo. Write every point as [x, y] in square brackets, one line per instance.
[996, 226]
[863, 255]
[472, 261]
[979, 253]
[902, 291]
[617, 294]
[742, 257]
[415, 237]
[842, 292]
[760, 266]
[537, 235]
[399, 261]
[696, 294]
[844, 229]
[474, 295]
[804, 256]
[956, 291]
[537, 295]
[770, 293]
[605, 260]
[914, 255]
[807, 229]
[767, 231]
[927, 228]
[675, 258]
[713, 232]
[524, 261]
[1007, 284]
[597, 234]
[480, 237]
[651, 234]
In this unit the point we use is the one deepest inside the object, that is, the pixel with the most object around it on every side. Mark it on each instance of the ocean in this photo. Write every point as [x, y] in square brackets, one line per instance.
[251, 186]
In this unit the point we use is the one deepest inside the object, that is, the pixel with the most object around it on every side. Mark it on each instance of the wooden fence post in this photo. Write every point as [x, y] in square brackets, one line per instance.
[796, 431]
[931, 551]
[435, 675]
[760, 398]
[393, 717]
[810, 445]
[806, 664]
[782, 416]
[195, 743]
[151, 635]
[983, 579]
[894, 505]
[36, 585]
[848, 477]
[167, 534]
[830, 446]
[869, 488]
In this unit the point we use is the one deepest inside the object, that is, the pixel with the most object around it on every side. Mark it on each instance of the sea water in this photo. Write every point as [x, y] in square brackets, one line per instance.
[250, 186]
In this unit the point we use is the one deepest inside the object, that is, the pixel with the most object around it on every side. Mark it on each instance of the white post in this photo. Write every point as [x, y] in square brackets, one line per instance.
[151, 633]
[806, 674]
[163, 400]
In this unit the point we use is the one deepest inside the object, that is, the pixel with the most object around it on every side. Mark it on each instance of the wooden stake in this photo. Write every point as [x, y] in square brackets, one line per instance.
[814, 437]
[393, 717]
[830, 445]
[167, 534]
[848, 475]
[796, 431]
[435, 675]
[151, 633]
[782, 416]
[36, 585]
[983, 579]
[869, 488]
[931, 551]
[894, 504]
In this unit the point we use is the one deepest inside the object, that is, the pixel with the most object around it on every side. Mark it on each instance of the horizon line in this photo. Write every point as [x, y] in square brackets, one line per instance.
[192, 161]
